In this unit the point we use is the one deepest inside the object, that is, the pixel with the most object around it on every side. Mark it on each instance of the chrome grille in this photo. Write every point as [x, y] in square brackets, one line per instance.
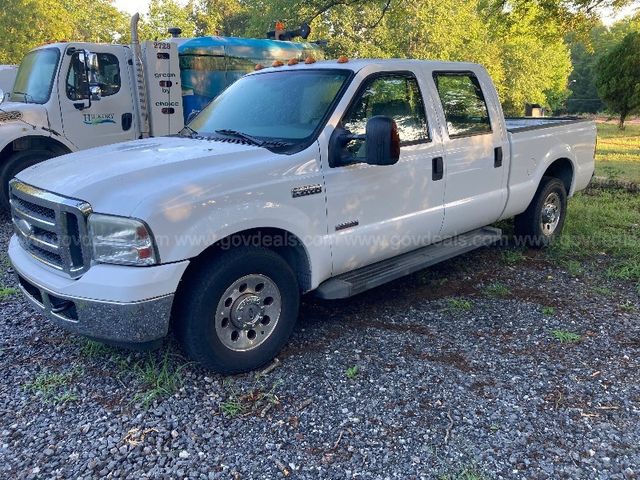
[53, 229]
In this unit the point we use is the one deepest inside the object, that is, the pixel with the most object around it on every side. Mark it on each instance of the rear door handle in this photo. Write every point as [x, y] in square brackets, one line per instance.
[497, 157]
[437, 169]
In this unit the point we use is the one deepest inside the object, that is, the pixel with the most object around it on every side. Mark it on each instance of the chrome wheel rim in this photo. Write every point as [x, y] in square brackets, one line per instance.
[248, 312]
[551, 212]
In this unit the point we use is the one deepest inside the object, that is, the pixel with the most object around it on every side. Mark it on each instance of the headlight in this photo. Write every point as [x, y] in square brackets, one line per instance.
[120, 240]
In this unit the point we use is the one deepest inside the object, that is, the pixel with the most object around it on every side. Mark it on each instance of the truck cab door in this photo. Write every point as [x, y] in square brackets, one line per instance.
[476, 150]
[376, 212]
[106, 115]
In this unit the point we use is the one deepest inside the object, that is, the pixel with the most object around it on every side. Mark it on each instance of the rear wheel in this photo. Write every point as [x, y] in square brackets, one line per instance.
[235, 314]
[15, 164]
[542, 222]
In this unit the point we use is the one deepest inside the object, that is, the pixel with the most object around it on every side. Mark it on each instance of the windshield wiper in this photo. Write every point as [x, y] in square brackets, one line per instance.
[243, 136]
[23, 94]
[187, 127]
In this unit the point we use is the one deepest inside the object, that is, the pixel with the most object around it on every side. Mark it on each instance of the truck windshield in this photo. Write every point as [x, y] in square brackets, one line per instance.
[286, 105]
[35, 76]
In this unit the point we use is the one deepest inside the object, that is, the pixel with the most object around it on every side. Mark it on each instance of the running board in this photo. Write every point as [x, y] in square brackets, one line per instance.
[371, 276]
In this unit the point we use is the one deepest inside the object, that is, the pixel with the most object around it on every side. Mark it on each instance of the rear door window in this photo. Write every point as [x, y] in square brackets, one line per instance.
[464, 105]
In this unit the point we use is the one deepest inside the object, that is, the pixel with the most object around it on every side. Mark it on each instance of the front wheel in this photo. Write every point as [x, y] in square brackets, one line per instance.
[235, 313]
[15, 164]
[542, 222]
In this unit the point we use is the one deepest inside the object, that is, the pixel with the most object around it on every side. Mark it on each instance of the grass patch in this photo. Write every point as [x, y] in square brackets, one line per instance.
[51, 386]
[258, 400]
[496, 289]
[573, 267]
[548, 311]
[604, 291]
[160, 376]
[512, 257]
[618, 152]
[459, 305]
[467, 473]
[352, 372]
[565, 336]
[628, 307]
[6, 293]
[606, 222]
[92, 349]
[602, 223]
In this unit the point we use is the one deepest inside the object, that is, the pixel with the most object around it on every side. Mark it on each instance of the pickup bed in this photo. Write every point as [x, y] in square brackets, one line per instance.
[329, 177]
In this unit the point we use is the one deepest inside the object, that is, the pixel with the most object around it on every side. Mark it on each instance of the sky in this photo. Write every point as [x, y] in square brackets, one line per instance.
[140, 6]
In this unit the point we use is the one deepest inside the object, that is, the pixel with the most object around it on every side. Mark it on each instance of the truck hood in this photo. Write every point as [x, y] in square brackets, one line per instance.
[32, 113]
[116, 178]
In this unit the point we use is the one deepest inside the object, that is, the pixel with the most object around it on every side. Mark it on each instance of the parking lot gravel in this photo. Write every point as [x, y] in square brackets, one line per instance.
[494, 365]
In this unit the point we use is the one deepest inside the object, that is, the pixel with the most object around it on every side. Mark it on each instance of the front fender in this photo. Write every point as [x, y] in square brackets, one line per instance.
[12, 131]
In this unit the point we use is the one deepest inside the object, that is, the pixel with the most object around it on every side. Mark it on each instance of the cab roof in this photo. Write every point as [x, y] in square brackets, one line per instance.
[358, 64]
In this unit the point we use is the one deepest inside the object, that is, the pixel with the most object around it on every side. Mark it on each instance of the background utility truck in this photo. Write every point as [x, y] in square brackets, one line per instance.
[72, 96]
[332, 177]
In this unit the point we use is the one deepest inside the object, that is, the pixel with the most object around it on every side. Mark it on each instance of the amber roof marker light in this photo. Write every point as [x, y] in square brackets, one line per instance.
[343, 59]
[277, 63]
[309, 60]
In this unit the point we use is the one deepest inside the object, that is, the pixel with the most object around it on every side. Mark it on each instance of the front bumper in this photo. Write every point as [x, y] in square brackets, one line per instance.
[116, 322]
[127, 305]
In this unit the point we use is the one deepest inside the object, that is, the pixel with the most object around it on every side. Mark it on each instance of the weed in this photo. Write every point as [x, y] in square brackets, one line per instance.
[573, 267]
[459, 305]
[352, 372]
[92, 349]
[53, 386]
[160, 377]
[66, 397]
[627, 307]
[512, 257]
[6, 293]
[627, 270]
[467, 473]
[231, 408]
[605, 291]
[548, 311]
[496, 290]
[257, 401]
[565, 336]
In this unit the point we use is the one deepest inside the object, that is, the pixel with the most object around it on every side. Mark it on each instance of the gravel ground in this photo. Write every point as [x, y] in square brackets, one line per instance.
[458, 377]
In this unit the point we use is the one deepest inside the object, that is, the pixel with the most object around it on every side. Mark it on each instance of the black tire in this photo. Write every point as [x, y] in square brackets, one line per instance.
[196, 314]
[15, 164]
[530, 229]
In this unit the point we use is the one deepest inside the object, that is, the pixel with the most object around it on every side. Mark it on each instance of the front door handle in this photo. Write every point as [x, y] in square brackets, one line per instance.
[127, 120]
[437, 169]
[497, 157]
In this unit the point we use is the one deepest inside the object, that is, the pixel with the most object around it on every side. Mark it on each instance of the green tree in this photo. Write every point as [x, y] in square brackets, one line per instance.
[618, 77]
[164, 14]
[26, 24]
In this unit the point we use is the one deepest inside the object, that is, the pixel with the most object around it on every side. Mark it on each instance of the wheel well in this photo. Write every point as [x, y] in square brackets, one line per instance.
[284, 243]
[33, 143]
[562, 169]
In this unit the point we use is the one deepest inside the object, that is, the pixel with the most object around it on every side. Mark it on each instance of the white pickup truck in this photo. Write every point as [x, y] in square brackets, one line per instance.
[331, 177]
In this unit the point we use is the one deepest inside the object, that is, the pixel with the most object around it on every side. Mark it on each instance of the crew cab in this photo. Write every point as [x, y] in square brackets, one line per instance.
[330, 177]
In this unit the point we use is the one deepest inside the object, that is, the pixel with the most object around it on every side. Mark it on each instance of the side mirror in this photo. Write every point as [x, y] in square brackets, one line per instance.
[380, 145]
[193, 114]
[96, 92]
[382, 141]
[93, 73]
